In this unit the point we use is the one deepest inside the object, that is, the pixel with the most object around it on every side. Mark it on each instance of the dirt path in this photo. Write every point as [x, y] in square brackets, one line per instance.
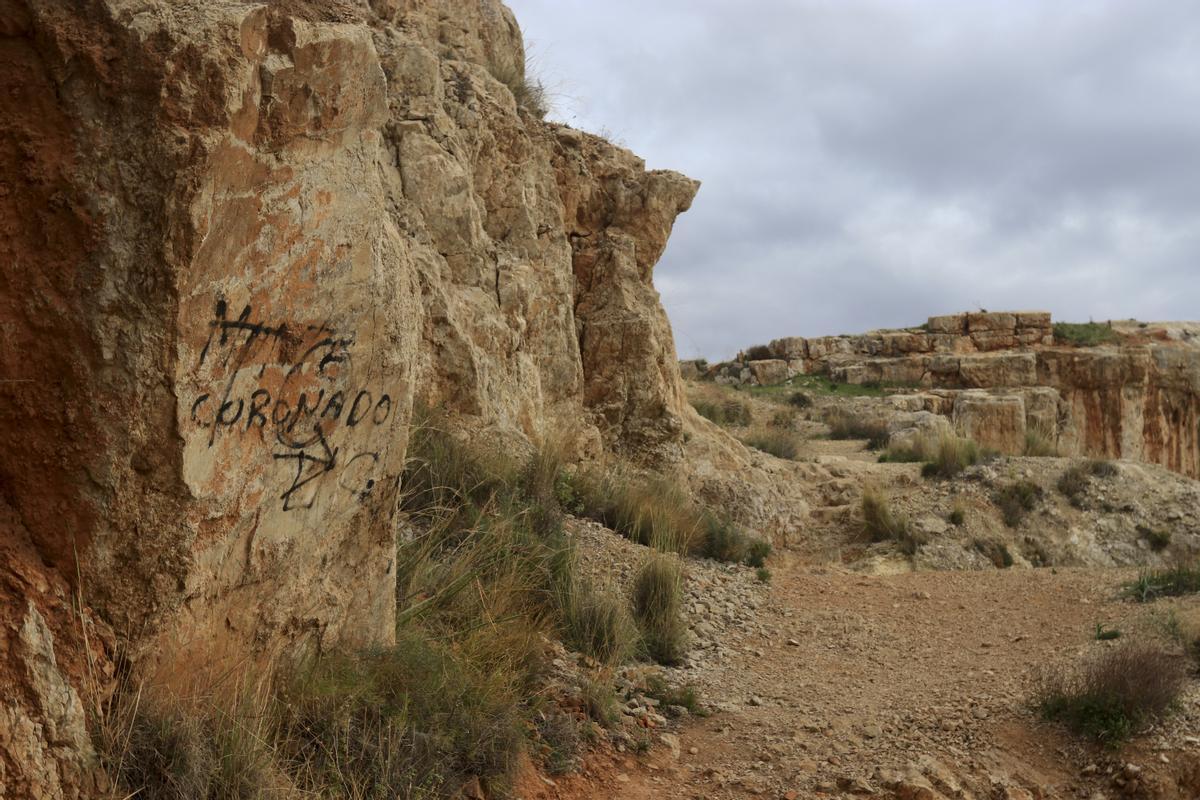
[923, 678]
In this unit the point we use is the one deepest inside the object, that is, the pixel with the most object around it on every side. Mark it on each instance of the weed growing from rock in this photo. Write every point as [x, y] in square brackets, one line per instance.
[658, 609]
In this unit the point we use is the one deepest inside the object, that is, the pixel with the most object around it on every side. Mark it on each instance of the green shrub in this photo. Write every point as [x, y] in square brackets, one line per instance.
[1175, 581]
[778, 443]
[652, 511]
[784, 418]
[1073, 485]
[757, 552]
[958, 515]
[1088, 334]
[1104, 634]
[759, 352]
[1102, 469]
[562, 740]
[763, 575]
[1109, 697]
[1016, 500]
[658, 609]
[723, 540]
[843, 426]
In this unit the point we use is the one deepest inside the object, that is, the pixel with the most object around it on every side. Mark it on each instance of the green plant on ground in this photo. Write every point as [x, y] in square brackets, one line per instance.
[1181, 579]
[882, 524]
[757, 552]
[785, 418]
[759, 352]
[1086, 334]
[656, 687]
[818, 385]
[763, 575]
[995, 551]
[1016, 500]
[1102, 469]
[657, 601]
[1104, 634]
[958, 514]
[844, 426]
[1073, 485]
[562, 740]
[1108, 698]
[780, 444]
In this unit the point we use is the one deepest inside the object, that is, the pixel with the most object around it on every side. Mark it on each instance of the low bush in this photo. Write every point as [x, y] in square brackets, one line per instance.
[763, 575]
[1109, 697]
[1087, 334]
[1073, 484]
[652, 511]
[1157, 538]
[958, 515]
[1102, 469]
[800, 400]
[882, 524]
[843, 426]
[784, 418]
[658, 609]
[995, 551]
[530, 93]
[1181, 579]
[1104, 634]
[757, 553]
[1016, 500]
[780, 444]
[759, 352]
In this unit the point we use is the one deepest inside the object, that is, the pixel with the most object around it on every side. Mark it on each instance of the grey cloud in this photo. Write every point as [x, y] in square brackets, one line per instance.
[870, 162]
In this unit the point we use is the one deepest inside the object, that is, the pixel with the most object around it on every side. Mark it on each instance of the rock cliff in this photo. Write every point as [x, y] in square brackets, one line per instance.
[1001, 376]
[240, 241]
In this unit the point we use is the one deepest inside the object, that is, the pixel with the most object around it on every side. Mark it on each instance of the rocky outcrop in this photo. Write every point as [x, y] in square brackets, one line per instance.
[1001, 376]
[240, 241]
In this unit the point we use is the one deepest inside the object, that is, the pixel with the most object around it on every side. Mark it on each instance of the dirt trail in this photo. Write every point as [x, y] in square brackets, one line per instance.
[927, 673]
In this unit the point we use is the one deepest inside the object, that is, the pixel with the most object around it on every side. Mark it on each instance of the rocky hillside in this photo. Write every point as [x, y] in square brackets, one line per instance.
[1117, 390]
[241, 241]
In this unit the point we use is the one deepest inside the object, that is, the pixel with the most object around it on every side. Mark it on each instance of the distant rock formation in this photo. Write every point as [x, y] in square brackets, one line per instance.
[1001, 376]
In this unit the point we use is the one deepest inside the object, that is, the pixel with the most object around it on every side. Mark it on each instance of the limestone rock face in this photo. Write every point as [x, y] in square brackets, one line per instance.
[240, 240]
[1000, 374]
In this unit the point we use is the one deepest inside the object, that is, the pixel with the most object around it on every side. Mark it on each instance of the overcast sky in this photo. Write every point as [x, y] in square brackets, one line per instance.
[869, 163]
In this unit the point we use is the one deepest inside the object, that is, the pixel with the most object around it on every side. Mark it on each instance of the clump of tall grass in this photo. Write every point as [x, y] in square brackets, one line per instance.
[846, 426]
[943, 456]
[727, 413]
[883, 524]
[779, 443]
[658, 609]
[1181, 579]
[1039, 443]
[1109, 697]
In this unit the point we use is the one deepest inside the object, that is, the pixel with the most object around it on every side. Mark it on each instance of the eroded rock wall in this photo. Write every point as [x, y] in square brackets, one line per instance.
[239, 241]
[1000, 376]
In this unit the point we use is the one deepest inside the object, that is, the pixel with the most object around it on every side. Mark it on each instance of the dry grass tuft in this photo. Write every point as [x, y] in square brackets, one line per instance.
[658, 609]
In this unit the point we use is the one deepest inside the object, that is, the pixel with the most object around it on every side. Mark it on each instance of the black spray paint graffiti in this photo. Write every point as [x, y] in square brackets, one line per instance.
[301, 417]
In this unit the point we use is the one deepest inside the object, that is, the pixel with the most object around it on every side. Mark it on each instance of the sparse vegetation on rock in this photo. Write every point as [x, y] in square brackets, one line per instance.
[1017, 499]
[657, 598]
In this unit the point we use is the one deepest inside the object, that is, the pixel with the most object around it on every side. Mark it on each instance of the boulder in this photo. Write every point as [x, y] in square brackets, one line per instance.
[769, 372]
[995, 422]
